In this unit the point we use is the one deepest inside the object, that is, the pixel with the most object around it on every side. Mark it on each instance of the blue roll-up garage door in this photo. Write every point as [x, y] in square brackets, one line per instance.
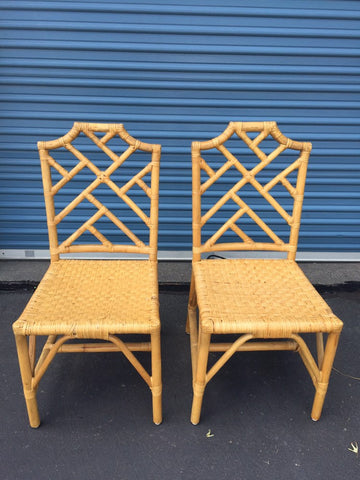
[175, 73]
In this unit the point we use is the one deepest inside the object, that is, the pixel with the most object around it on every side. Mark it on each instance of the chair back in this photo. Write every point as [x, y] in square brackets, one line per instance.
[101, 187]
[256, 188]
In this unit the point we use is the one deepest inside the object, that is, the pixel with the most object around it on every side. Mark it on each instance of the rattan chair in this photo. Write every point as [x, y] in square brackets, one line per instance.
[267, 303]
[96, 298]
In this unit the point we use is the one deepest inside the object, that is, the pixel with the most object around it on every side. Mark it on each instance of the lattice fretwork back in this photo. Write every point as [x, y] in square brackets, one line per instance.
[246, 177]
[103, 177]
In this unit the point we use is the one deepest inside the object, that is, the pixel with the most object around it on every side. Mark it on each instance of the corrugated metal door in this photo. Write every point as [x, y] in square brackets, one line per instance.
[173, 73]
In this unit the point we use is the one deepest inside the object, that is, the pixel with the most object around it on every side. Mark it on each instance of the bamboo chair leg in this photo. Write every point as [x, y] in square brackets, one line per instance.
[320, 348]
[32, 352]
[192, 302]
[45, 351]
[325, 371]
[156, 384]
[193, 338]
[26, 377]
[191, 325]
[200, 377]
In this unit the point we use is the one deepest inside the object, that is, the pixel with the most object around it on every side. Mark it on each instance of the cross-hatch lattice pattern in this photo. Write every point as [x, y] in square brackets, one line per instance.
[102, 177]
[249, 177]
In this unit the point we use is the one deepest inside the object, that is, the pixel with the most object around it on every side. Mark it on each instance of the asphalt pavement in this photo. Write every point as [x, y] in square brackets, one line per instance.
[255, 424]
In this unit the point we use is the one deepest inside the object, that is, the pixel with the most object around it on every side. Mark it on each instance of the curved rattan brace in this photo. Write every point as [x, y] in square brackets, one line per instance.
[308, 359]
[131, 357]
[227, 355]
[41, 368]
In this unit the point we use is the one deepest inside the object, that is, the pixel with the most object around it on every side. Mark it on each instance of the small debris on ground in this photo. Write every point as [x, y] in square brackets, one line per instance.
[354, 448]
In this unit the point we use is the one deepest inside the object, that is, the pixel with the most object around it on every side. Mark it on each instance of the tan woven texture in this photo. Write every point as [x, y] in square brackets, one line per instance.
[268, 298]
[92, 299]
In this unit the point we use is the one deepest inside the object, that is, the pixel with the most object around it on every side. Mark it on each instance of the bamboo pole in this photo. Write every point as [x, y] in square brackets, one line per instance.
[106, 347]
[320, 348]
[196, 199]
[46, 360]
[224, 247]
[322, 385]
[45, 351]
[156, 383]
[49, 203]
[193, 339]
[132, 359]
[299, 197]
[199, 381]
[308, 359]
[154, 205]
[255, 346]
[227, 355]
[26, 376]
[32, 352]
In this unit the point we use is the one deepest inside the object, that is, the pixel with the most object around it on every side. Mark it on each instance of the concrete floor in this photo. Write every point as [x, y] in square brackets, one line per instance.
[96, 410]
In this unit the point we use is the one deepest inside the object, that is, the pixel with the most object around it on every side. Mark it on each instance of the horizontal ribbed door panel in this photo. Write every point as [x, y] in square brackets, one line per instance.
[176, 73]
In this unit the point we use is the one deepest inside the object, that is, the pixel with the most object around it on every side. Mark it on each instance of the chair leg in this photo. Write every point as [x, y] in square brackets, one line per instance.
[325, 371]
[191, 325]
[26, 376]
[199, 381]
[193, 338]
[32, 352]
[192, 302]
[320, 348]
[156, 387]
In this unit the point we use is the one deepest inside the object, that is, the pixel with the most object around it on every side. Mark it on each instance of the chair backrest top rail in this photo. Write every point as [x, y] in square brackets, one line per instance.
[270, 127]
[78, 127]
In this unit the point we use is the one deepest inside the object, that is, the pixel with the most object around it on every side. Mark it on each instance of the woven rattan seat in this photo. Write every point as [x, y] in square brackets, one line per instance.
[96, 299]
[269, 300]
[65, 304]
